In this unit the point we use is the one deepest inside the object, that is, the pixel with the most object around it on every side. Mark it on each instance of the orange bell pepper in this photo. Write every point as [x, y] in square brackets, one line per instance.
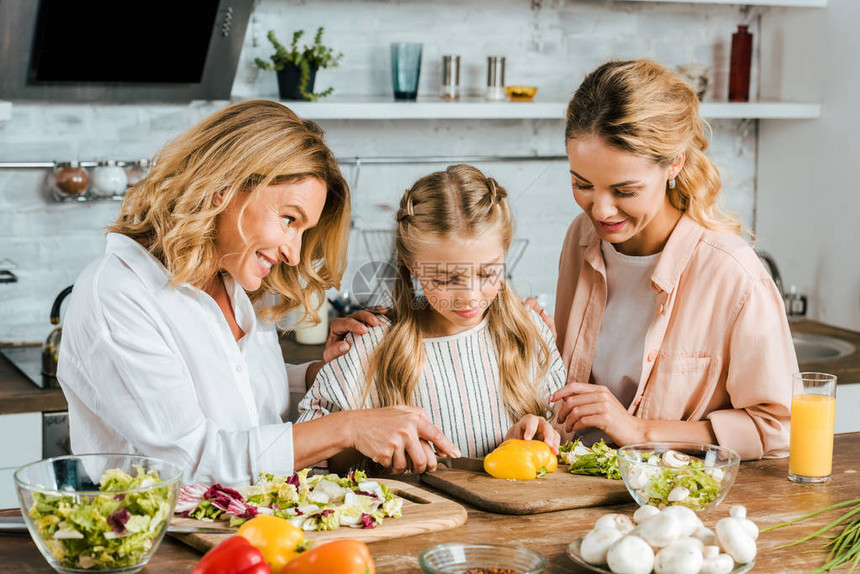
[337, 557]
[518, 459]
[275, 537]
[234, 555]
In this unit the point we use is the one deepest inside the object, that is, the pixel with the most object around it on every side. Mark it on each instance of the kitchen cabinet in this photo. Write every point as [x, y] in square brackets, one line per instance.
[21, 443]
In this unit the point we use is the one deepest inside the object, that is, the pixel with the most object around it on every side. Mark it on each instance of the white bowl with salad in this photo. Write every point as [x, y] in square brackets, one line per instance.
[663, 474]
[105, 512]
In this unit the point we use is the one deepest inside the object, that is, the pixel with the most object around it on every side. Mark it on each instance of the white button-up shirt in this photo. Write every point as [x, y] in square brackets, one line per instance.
[155, 370]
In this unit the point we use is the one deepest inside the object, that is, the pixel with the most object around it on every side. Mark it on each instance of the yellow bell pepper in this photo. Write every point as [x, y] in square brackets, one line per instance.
[518, 459]
[275, 537]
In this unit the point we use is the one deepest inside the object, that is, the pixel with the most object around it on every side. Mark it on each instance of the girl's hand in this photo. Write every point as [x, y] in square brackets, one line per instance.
[532, 426]
[586, 405]
[356, 323]
[393, 437]
[532, 304]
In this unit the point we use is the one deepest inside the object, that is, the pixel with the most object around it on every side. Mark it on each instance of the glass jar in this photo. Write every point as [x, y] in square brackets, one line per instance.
[109, 179]
[136, 171]
[70, 180]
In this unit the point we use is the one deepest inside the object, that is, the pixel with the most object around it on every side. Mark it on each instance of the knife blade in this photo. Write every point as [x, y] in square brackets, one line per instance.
[463, 463]
[17, 524]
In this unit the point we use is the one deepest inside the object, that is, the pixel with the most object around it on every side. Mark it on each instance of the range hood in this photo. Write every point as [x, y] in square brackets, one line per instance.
[110, 51]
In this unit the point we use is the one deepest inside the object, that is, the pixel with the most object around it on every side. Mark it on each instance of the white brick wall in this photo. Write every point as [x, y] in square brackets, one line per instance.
[552, 48]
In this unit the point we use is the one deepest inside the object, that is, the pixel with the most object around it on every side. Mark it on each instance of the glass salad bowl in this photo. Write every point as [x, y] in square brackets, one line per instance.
[458, 557]
[105, 512]
[662, 474]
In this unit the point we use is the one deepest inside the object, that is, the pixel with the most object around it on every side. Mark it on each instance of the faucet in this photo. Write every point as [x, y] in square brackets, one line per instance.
[795, 303]
[773, 270]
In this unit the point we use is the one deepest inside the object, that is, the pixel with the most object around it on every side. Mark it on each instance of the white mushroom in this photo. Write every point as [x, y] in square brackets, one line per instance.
[675, 459]
[596, 544]
[689, 519]
[619, 522]
[630, 555]
[640, 475]
[706, 535]
[740, 512]
[735, 540]
[643, 513]
[716, 562]
[661, 530]
[681, 557]
[678, 494]
[717, 473]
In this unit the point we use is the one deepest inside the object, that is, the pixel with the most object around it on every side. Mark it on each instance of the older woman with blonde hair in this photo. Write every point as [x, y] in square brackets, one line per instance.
[170, 347]
[668, 324]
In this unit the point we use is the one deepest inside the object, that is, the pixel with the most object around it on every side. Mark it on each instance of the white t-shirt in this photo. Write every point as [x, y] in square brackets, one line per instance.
[155, 370]
[630, 308]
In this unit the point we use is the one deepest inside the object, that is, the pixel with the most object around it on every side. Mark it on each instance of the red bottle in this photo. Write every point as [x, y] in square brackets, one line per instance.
[739, 71]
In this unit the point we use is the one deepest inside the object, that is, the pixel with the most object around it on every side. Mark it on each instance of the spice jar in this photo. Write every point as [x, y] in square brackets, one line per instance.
[451, 77]
[496, 79]
[109, 179]
[136, 171]
[70, 180]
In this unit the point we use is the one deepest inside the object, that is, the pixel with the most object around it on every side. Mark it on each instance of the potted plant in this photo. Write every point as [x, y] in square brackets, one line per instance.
[297, 68]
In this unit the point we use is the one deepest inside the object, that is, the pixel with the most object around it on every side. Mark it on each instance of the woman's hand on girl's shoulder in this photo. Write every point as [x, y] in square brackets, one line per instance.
[534, 427]
[532, 305]
[356, 323]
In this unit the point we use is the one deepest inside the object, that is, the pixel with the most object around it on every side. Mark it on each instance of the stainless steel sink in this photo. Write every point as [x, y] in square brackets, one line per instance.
[812, 347]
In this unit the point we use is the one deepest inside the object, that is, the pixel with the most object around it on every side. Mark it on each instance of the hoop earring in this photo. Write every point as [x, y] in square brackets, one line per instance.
[671, 183]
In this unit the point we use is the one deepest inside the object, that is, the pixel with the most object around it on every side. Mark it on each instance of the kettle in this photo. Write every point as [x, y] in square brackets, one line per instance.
[51, 348]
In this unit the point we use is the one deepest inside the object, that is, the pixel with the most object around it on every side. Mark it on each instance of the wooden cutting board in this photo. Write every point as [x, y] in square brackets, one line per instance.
[423, 512]
[559, 490]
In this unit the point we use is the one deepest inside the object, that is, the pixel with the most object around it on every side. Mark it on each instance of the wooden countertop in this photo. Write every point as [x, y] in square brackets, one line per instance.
[762, 486]
[18, 394]
[846, 369]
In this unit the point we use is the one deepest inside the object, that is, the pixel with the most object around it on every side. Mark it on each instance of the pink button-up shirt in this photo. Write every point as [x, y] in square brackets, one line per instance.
[718, 347]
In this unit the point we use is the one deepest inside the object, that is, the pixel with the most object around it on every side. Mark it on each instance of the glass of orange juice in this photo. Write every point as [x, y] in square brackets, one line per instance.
[813, 412]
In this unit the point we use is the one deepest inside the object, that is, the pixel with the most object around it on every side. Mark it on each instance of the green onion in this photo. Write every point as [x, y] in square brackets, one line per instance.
[844, 547]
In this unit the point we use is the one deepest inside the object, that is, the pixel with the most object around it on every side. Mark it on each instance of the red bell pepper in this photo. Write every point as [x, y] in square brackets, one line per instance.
[233, 556]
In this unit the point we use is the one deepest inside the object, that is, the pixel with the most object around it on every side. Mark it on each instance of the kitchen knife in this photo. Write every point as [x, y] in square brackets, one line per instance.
[17, 524]
[463, 463]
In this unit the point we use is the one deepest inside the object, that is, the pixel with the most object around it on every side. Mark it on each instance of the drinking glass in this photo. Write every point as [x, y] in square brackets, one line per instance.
[813, 412]
[405, 69]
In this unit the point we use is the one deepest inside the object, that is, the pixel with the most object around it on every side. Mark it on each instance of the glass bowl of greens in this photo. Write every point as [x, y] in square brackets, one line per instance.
[105, 512]
[662, 474]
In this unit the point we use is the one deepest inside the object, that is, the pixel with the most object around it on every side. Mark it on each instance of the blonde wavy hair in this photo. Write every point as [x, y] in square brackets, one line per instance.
[455, 205]
[640, 107]
[243, 148]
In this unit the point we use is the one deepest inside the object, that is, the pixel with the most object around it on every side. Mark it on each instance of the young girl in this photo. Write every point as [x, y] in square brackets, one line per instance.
[467, 352]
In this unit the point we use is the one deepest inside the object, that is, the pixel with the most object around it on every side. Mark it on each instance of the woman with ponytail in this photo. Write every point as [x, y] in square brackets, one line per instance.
[669, 326]
[466, 351]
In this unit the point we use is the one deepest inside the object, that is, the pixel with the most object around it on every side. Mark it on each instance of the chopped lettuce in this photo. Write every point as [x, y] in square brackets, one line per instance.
[310, 502]
[696, 486]
[599, 460]
[104, 531]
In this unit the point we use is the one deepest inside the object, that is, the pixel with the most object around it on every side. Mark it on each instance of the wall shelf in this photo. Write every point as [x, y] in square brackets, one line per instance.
[436, 109]
[783, 3]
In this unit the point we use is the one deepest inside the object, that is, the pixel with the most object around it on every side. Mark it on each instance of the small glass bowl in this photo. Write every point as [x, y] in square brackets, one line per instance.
[521, 93]
[654, 474]
[79, 528]
[457, 557]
